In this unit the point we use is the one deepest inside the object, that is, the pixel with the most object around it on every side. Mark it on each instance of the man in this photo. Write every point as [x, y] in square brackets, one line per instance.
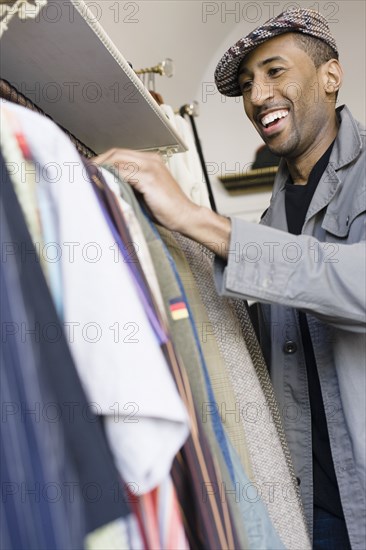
[307, 268]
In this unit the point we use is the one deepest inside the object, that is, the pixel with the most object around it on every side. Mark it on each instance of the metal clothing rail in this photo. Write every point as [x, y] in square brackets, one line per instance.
[147, 75]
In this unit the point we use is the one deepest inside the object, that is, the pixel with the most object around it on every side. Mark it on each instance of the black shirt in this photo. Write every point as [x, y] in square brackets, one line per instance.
[326, 492]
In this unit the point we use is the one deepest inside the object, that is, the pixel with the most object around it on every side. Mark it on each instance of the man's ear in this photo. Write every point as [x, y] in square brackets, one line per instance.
[332, 76]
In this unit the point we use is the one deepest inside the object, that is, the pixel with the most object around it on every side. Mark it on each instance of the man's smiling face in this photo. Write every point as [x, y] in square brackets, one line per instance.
[284, 96]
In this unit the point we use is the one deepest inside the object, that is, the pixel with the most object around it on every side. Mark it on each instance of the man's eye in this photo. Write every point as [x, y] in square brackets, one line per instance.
[246, 86]
[275, 71]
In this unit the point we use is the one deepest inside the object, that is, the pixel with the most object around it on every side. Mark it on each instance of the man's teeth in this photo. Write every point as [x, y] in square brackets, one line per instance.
[271, 117]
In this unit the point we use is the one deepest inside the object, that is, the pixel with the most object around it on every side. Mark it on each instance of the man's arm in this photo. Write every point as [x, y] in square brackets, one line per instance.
[261, 263]
[327, 280]
[169, 205]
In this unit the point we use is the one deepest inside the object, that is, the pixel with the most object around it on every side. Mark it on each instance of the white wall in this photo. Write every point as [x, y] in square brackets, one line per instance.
[195, 34]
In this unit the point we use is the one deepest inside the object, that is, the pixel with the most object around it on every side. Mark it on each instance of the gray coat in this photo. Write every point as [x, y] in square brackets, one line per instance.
[322, 272]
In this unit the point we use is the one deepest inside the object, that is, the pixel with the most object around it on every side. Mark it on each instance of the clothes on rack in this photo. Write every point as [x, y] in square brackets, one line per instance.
[211, 524]
[259, 530]
[254, 408]
[26, 466]
[56, 467]
[135, 416]
[159, 517]
[280, 490]
[137, 332]
[210, 476]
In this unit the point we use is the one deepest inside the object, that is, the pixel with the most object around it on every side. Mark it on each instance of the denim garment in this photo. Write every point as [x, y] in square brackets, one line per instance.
[329, 532]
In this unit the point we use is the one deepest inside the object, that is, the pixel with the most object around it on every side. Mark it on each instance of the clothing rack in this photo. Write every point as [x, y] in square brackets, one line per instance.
[164, 68]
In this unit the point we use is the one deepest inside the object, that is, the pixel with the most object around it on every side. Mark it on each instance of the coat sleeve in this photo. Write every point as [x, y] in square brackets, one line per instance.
[325, 279]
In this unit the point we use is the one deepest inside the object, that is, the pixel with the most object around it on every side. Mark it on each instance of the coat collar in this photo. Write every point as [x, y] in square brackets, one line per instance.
[346, 148]
[348, 142]
[340, 209]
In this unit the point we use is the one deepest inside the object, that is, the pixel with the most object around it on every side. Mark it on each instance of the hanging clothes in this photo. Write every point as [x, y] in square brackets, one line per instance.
[56, 455]
[245, 384]
[260, 530]
[111, 331]
[176, 307]
[256, 407]
[251, 519]
[207, 524]
[124, 291]
[170, 353]
[159, 516]
[157, 510]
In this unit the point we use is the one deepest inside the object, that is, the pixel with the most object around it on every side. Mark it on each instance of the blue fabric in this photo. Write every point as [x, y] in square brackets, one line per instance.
[30, 475]
[259, 528]
[329, 532]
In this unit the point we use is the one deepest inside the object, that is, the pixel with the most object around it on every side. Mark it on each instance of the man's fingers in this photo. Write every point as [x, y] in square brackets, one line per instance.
[113, 156]
[122, 155]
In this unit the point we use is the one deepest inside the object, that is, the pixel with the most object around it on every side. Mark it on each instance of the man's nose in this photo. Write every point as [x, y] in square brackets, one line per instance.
[261, 93]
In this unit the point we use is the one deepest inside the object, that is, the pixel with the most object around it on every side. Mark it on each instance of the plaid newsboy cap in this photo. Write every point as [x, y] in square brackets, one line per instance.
[304, 21]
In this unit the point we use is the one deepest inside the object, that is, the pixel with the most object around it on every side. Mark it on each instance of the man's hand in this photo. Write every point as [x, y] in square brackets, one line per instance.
[147, 173]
